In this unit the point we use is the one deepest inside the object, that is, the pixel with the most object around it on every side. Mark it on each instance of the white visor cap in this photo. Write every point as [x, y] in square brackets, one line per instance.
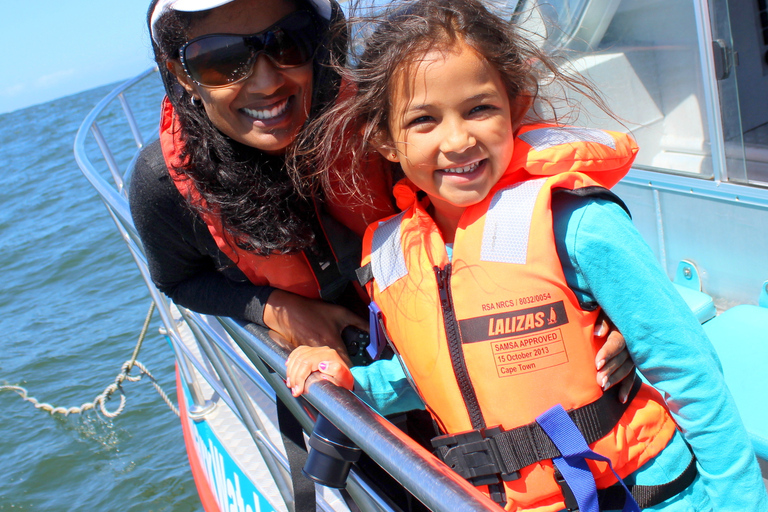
[323, 8]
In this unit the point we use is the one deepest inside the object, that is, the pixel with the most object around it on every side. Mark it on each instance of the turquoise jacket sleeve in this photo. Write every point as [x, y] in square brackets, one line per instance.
[606, 259]
[384, 386]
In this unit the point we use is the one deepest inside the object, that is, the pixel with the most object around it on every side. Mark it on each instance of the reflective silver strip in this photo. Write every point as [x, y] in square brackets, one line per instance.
[508, 223]
[544, 138]
[387, 259]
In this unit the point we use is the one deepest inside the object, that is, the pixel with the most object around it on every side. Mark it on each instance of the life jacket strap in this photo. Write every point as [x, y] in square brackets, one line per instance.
[323, 261]
[611, 498]
[615, 496]
[577, 477]
[486, 455]
[364, 274]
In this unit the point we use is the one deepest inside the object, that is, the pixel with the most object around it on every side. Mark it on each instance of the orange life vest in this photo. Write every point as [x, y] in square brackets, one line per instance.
[293, 271]
[495, 337]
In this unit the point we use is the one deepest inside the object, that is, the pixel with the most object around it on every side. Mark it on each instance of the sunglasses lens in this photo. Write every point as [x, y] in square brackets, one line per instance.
[221, 59]
[293, 41]
[217, 60]
[287, 49]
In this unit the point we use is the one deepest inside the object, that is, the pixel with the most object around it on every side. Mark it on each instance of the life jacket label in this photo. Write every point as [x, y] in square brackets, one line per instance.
[513, 323]
[529, 353]
[521, 341]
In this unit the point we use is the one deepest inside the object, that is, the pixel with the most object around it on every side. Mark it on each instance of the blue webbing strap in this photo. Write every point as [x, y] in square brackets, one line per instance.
[378, 339]
[572, 462]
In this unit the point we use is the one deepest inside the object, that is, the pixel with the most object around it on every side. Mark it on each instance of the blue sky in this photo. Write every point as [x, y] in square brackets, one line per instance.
[54, 48]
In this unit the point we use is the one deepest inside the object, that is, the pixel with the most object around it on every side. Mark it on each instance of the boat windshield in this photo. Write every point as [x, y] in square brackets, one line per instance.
[687, 79]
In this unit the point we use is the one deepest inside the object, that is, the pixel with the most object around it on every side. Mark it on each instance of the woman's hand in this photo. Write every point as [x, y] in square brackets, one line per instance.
[613, 361]
[305, 360]
[310, 322]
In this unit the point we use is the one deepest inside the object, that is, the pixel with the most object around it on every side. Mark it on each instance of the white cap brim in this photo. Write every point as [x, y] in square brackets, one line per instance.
[323, 7]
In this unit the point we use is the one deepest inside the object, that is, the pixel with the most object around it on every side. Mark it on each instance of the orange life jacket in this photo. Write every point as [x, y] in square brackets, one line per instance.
[293, 271]
[495, 337]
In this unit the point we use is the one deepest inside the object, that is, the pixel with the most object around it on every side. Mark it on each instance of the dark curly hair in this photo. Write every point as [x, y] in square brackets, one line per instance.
[261, 204]
[339, 141]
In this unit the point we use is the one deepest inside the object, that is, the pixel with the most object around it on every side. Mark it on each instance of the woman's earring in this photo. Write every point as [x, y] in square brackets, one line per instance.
[195, 101]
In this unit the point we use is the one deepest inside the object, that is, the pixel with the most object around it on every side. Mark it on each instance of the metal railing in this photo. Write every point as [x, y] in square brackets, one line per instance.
[428, 479]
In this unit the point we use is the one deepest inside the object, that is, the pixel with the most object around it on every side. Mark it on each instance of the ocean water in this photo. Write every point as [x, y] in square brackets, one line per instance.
[72, 305]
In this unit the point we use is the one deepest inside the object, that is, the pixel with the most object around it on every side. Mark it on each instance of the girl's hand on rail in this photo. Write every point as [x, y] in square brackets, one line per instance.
[310, 322]
[613, 362]
[305, 360]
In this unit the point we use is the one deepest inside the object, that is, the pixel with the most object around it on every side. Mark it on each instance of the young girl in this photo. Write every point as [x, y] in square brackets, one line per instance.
[490, 280]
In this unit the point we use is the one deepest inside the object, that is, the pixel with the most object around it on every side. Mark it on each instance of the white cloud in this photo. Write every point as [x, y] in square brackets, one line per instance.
[13, 90]
[38, 90]
[53, 79]
[39, 84]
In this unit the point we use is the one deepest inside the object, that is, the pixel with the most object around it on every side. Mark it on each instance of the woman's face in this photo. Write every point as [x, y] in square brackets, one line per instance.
[267, 109]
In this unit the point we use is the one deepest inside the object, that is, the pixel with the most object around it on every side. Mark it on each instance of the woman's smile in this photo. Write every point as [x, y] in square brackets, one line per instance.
[268, 113]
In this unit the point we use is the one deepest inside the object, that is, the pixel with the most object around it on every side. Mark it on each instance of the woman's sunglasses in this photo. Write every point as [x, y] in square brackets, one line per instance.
[218, 60]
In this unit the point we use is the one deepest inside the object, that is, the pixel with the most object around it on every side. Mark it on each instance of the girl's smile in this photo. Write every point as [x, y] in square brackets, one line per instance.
[465, 169]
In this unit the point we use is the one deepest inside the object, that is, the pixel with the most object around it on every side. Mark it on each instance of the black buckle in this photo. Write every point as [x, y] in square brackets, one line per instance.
[475, 456]
[570, 500]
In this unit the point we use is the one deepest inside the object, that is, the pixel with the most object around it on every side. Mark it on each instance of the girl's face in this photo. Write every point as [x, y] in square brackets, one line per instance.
[451, 124]
[266, 110]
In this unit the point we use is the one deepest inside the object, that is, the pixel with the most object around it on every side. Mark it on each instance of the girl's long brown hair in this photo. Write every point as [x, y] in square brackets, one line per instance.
[339, 142]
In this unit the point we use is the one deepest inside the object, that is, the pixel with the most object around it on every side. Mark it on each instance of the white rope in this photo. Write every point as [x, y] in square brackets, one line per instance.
[101, 400]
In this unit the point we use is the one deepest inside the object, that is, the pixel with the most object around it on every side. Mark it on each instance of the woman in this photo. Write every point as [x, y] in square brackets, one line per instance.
[225, 230]
[234, 134]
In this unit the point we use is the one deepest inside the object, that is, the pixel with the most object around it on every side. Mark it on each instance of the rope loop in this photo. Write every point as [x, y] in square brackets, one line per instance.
[101, 400]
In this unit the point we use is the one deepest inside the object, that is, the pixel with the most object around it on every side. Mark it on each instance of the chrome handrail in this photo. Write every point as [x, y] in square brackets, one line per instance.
[416, 469]
[426, 477]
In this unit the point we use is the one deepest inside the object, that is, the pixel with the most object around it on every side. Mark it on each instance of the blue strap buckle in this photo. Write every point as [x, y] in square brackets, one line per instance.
[376, 327]
[572, 464]
[571, 504]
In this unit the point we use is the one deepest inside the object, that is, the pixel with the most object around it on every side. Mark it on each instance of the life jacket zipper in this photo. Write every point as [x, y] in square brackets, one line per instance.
[455, 348]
